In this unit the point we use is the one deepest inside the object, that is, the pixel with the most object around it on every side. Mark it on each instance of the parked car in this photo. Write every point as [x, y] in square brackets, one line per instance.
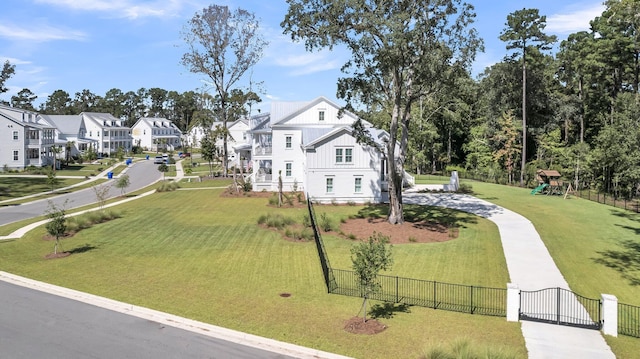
[158, 160]
[185, 155]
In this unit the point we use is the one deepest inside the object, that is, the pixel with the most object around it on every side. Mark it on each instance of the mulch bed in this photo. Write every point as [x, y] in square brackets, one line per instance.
[356, 325]
[408, 232]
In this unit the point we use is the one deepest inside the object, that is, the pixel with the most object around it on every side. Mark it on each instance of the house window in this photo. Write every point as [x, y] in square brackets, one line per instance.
[15, 155]
[329, 182]
[358, 184]
[321, 116]
[344, 155]
[15, 135]
[287, 142]
[287, 170]
[339, 155]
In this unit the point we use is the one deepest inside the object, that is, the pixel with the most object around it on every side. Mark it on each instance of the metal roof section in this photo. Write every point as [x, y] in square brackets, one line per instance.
[24, 117]
[104, 119]
[66, 124]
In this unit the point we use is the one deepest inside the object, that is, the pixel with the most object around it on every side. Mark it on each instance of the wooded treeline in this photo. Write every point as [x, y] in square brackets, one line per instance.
[582, 107]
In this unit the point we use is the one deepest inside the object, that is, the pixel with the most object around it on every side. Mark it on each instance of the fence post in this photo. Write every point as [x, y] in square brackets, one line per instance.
[610, 315]
[397, 295]
[513, 302]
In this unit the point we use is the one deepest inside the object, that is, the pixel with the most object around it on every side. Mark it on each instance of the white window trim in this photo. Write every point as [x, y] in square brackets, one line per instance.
[288, 163]
[343, 155]
[355, 189]
[333, 184]
[289, 142]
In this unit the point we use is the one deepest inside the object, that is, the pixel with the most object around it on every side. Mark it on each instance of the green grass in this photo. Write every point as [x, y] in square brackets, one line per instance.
[200, 261]
[16, 187]
[587, 241]
[431, 179]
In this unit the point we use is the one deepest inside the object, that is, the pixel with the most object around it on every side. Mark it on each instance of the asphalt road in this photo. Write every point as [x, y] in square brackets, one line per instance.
[141, 174]
[34, 324]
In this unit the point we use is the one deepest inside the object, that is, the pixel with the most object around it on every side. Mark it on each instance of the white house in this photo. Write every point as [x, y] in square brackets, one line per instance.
[106, 132]
[313, 149]
[156, 134]
[70, 129]
[238, 141]
[26, 139]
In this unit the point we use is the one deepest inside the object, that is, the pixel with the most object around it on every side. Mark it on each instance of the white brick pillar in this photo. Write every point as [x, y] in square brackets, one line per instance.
[513, 302]
[610, 315]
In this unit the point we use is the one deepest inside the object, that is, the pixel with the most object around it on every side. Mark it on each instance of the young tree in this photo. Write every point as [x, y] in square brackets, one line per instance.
[368, 259]
[102, 192]
[122, 183]
[164, 169]
[52, 180]
[223, 45]
[57, 224]
[208, 150]
[525, 29]
[402, 51]
[506, 138]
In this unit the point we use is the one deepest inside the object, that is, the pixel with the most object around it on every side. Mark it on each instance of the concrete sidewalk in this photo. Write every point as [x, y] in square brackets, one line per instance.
[531, 267]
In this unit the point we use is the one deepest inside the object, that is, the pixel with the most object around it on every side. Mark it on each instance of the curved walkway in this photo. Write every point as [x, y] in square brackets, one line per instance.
[531, 267]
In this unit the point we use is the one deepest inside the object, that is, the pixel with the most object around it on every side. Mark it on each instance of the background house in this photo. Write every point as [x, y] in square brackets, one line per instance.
[70, 134]
[156, 134]
[106, 133]
[238, 141]
[26, 139]
[313, 149]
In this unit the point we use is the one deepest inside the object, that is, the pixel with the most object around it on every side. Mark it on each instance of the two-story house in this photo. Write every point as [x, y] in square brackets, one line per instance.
[156, 134]
[26, 139]
[106, 132]
[238, 141]
[312, 148]
[70, 134]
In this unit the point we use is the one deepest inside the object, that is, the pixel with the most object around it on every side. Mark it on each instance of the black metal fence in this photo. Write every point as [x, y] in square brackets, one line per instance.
[632, 204]
[629, 320]
[329, 278]
[560, 306]
[424, 293]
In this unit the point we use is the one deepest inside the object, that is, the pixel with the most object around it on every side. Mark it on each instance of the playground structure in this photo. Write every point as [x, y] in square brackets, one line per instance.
[549, 183]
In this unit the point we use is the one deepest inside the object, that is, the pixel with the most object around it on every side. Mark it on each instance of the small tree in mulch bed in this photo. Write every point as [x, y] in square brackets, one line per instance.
[122, 183]
[368, 259]
[57, 224]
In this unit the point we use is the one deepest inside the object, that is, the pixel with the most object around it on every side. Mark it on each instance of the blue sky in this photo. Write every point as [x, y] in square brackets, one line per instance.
[128, 44]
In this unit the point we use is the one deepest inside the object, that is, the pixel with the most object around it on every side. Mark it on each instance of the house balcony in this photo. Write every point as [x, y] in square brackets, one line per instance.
[263, 178]
[263, 151]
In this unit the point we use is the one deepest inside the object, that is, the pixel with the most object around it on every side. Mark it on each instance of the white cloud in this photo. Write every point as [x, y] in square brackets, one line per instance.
[573, 21]
[40, 33]
[130, 9]
[13, 60]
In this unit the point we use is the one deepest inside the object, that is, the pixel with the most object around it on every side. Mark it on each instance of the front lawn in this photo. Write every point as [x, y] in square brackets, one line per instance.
[203, 256]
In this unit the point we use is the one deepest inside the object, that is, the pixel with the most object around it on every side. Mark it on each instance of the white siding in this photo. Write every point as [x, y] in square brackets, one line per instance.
[321, 163]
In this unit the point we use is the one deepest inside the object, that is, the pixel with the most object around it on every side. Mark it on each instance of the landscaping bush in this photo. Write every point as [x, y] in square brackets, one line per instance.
[326, 223]
[275, 220]
[167, 186]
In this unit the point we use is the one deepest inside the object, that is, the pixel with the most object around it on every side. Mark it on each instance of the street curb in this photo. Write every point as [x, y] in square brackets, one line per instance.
[193, 326]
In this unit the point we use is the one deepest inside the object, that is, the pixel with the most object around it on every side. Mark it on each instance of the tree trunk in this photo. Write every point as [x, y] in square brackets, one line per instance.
[524, 117]
[393, 175]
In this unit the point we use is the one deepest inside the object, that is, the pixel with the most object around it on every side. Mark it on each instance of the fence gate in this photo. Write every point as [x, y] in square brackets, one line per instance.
[560, 306]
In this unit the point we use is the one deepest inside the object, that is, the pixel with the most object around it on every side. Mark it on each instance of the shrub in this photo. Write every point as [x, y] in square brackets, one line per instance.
[352, 236]
[300, 197]
[465, 188]
[273, 200]
[167, 186]
[306, 220]
[351, 203]
[275, 220]
[412, 239]
[326, 223]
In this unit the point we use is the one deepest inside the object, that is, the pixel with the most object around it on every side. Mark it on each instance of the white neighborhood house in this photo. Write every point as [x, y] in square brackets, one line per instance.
[156, 134]
[313, 149]
[26, 139]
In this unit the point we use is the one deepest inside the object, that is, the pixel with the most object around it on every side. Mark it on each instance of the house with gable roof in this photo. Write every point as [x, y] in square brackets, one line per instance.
[156, 134]
[26, 139]
[238, 141]
[313, 149]
[106, 132]
[70, 129]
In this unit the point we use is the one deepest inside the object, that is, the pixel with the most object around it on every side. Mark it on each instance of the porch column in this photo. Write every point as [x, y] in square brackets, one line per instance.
[610, 315]
[513, 302]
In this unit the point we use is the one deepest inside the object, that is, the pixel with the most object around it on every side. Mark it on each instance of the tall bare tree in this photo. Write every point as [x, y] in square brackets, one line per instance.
[401, 51]
[223, 44]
